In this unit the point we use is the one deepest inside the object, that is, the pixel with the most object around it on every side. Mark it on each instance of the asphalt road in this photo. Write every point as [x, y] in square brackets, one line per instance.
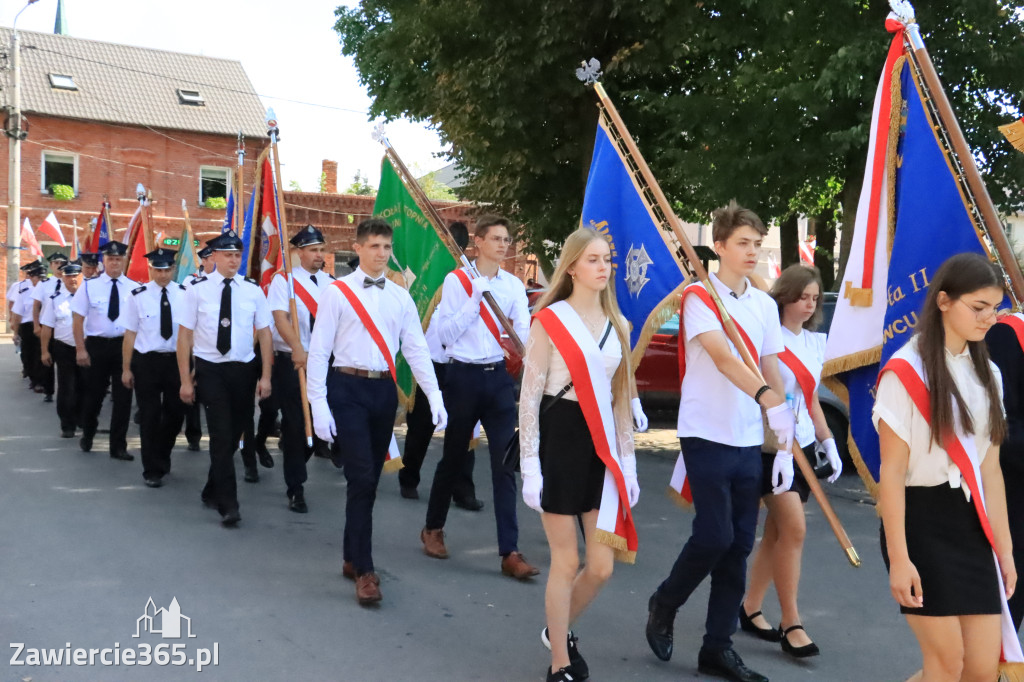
[84, 545]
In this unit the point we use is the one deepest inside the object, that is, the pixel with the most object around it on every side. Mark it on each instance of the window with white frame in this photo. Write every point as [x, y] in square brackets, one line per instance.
[59, 168]
[213, 183]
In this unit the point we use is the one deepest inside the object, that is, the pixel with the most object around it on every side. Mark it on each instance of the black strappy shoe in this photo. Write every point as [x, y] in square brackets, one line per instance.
[747, 625]
[797, 651]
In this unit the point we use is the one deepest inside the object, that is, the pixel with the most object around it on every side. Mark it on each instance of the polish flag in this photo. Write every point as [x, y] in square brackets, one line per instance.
[28, 237]
[51, 229]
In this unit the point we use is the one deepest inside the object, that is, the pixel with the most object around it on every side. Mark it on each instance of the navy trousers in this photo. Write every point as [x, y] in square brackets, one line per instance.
[472, 393]
[285, 380]
[161, 412]
[726, 485]
[364, 415]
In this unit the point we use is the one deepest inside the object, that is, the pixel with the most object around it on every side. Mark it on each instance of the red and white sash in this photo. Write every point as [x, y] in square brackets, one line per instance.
[303, 294]
[585, 361]
[679, 486]
[485, 314]
[963, 451]
[808, 382]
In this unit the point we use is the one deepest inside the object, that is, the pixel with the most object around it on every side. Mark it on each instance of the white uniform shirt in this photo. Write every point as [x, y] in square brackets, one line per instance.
[339, 330]
[710, 406]
[278, 296]
[12, 292]
[45, 290]
[463, 331]
[929, 465]
[23, 301]
[437, 352]
[56, 314]
[92, 301]
[201, 314]
[809, 348]
[143, 316]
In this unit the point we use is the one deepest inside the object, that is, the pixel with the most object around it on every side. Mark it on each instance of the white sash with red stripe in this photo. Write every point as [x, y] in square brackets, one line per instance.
[964, 453]
[585, 361]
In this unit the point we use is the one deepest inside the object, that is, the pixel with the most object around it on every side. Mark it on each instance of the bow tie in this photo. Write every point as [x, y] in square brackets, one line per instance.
[379, 283]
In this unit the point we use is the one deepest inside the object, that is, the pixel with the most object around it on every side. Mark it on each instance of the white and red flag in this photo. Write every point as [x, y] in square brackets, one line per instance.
[51, 228]
[28, 237]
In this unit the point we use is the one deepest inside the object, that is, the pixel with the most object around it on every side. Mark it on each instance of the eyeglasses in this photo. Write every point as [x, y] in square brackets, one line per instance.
[983, 314]
[500, 240]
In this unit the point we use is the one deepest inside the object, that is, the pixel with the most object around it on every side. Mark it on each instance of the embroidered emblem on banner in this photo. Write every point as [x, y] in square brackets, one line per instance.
[637, 261]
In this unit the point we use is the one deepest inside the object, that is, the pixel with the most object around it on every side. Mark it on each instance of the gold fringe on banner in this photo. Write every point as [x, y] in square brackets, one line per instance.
[852, 361]
[892, 163]
[618, 545]
[843, 394]
[678, 499]
[1011, 672]
[1014, 133]
[661, 314]
[393, 465]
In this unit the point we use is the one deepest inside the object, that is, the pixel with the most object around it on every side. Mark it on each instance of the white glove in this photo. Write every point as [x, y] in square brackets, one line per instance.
[533, 482]
[639, 418]
[782, 472]
[832, 455]
[437, 412]
[782, 422]
[632, 484]
[323, 422]
[481, 285]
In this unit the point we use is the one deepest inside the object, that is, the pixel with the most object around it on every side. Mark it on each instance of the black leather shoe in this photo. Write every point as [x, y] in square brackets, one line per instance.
[747, 625]
[230, 518]
[67, 433]
[85, 442]
[409, 492]
[122, 455]
[660, 624]
[252, 475]
[266, 461]
[154, 482]
[727, 664]
[193, 446]
[297, 503]
[798, 651]
[469, 505]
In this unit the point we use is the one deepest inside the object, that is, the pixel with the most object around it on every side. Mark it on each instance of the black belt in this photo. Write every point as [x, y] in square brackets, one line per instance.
[155, 353]
[282, 354]
[365, 373]
[485, 366]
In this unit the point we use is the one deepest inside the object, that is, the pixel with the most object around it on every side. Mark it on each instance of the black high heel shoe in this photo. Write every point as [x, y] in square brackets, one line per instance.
[747, 625]
[797, 651]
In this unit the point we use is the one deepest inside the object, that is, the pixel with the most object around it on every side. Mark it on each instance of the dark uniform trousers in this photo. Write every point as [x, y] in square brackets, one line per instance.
[105, 370]
[25, 347]
[227, 390]
[420, 429]
[364, 414]
[193, 422]
[472, 393]
[32, 359]
[726, 485]
[161, 411]
[285, 381]
[70, 385]
[265, 424]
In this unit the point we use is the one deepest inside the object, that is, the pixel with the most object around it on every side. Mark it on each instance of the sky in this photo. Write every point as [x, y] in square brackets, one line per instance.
[290, 52]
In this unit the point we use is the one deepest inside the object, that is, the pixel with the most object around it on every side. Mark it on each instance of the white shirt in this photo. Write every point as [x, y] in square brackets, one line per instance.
[558, 376]
[93, 299]
[56, 314]
[142, 316]
[46, 289]
[201, 314]
[929, 465]
[710, 406]
[23, 300]
[809, 348]
[278, 296]
[13, 290]
[437, 352]
[462, 330]
[339, 330]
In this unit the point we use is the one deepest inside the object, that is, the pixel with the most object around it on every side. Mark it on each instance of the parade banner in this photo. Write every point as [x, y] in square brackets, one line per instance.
[101, 233]
[137, 267]
[648, 277]
[928, 221]
[186, 261]
[265, 261]
[419, 255]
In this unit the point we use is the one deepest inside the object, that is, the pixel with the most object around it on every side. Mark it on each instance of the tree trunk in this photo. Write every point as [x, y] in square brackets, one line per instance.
[788, 241]
[825, 237]
[849, 197]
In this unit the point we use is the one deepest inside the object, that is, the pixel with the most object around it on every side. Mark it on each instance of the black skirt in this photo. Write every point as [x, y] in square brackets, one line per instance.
[799, 486]
[573, 473]
[948, 547]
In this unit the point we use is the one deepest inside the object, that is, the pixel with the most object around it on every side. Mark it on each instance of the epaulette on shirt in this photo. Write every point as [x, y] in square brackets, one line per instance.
[55, 294]
[250, 280]
[199, 279]
[182, 287]
[330, 275]
[138, 290]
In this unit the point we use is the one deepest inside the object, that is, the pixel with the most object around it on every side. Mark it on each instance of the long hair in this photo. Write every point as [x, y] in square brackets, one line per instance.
[789, 288]
[561, 287]
[962, 274]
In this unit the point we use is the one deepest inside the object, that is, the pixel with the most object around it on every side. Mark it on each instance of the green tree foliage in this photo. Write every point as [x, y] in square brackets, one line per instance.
[360, 186]
[765, 101]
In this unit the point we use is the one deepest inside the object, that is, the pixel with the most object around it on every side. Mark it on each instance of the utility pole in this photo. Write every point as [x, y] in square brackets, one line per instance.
[15, 135]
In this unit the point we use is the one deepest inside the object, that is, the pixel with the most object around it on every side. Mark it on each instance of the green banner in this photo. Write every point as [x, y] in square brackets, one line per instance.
[419, 255]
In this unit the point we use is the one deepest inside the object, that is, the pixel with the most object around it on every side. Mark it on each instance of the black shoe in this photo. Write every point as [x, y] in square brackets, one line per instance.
[728, 664]
[660, 624]
[275, 430]
[85, 442]
[266, 461]
[578, 667]
[471, 504]
[193, 446]
[154, 481]
[230, 518]
[48, 398]
[67, 433]
[297, 503]
[409, 492]
[798, 651]
[747, 625]
[208, 502]
[122, 455]
[322, 449]
[561, 675]
[252, 475]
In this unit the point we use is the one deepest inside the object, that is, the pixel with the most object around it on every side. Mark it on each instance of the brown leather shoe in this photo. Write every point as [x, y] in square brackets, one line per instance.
[368, 589]
[348, 570]
[515, 566]
[433, 543]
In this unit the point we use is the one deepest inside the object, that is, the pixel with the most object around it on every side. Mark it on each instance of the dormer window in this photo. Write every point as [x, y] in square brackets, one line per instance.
[190, 97]
[62, 82]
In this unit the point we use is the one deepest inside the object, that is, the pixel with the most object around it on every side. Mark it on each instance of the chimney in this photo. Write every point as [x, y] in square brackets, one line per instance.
[330, 175]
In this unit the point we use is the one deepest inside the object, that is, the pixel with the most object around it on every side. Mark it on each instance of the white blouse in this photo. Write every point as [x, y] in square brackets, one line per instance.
[929, 465]
[809, 348]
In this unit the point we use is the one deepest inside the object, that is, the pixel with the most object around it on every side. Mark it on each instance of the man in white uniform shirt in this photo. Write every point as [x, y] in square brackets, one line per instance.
[218, 317]
[57, 341]
[21, 322]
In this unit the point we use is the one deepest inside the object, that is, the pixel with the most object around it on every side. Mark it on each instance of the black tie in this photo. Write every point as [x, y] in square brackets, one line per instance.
[114, 307]
[312, 319]
[165, 315]
[367, 283]
[224, 325]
